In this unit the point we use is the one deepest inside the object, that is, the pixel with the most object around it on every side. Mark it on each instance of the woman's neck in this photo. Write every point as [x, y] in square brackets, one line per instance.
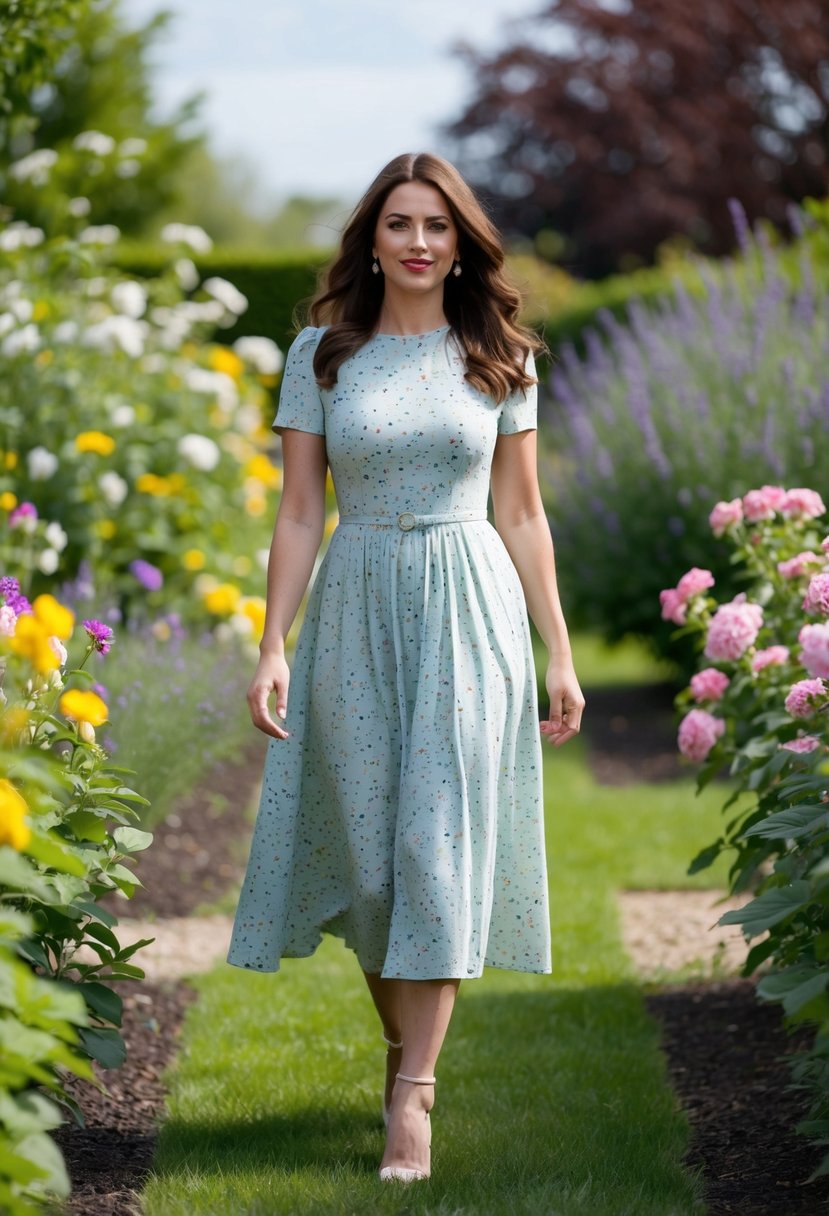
[404, 315]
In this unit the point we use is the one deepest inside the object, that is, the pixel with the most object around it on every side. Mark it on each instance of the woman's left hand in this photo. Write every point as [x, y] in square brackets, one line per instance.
[566, 703]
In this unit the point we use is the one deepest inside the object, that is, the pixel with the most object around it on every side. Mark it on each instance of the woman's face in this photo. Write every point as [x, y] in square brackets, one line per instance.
[416, 239]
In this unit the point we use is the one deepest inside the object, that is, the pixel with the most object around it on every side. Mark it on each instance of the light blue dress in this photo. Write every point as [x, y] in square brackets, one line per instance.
[405, 812]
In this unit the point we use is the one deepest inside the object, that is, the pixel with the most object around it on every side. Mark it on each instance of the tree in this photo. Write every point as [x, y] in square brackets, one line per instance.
[624, 123]
[100, 81]
[33, 34]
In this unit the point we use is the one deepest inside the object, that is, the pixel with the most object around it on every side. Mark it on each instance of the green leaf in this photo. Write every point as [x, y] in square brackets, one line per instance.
[50, 851]
[103, 1001]
[105, 1046]
[41, 1151]
[132, 840]
[86, 825]
[706, 857]
[770, 908]
[795, 987]
[792, 822]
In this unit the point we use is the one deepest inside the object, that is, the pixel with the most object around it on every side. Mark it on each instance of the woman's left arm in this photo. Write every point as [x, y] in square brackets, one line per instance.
[521, 523]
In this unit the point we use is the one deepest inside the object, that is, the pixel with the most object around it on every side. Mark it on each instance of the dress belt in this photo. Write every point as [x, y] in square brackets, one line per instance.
[408, 519]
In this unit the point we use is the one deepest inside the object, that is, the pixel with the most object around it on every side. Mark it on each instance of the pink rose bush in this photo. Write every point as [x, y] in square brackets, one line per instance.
[675, 600]
[757, 714]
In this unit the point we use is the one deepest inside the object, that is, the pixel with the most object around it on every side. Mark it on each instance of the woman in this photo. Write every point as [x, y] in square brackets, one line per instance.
[402, 805]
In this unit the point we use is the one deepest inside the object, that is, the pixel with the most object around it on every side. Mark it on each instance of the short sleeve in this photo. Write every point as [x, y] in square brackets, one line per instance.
[519, 411]
[300, 405]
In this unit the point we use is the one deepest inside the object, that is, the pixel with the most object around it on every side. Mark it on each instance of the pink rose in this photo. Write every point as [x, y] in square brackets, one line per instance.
[762, 504]
[725, 515]
[824, 544]
[815, 653]
[733, 629]
[805, 698]
[694, 583]
[8, 621]
[673, 606]
[698, 732]
[817, 595]
[795, 567]
[802, 504]
[709, 684]
[772, 656]
[802, 744]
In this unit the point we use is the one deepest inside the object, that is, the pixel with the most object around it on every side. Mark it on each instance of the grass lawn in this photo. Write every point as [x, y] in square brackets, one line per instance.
[552, 1097]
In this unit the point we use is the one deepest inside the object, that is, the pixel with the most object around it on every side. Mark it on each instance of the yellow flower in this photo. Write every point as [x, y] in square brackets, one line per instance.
[224, 360]
[10, 460]
[54, 617]
[106, 528]
[193, 559]
[253, 607]
[13, 828]
[222, 599]
[264, 470]
[13, 721]
[8, 501]
[241, 565]
[31, 640]
[40, 310]
[95, 441]
[255, 504]
[151, 483]
[84, 706]
[44, 357]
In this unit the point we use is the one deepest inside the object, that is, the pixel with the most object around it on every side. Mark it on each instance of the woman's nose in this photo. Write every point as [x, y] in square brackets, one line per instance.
[418, 239]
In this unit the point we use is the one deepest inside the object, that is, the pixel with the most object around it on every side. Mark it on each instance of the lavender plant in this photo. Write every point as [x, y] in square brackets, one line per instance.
[698, 397]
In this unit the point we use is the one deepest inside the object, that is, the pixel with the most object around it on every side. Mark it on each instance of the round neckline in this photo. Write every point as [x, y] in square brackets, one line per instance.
[428, 333]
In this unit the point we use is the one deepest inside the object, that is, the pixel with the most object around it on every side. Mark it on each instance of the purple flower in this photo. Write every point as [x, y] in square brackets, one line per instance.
[148, 575]
[12, 595]
[101, 689]
[100, 634]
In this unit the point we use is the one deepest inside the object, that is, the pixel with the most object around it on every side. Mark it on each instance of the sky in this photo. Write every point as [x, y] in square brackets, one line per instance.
[319, 94]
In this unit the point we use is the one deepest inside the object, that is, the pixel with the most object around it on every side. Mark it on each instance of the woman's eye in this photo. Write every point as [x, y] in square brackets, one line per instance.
[439, 227]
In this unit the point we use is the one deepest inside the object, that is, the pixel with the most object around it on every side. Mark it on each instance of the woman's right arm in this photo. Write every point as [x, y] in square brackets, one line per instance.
[297, 535]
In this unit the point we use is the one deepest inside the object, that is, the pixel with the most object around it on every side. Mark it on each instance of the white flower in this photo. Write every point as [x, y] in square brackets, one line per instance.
[200, 451]
[173, 326]
[117, 332]
[226, 294]
[56, 536]
[122, 415]
[86, 731]
[187, 234]
[223, 632]
[241, 624]
[42, 464]
[96, 286]
[8, 622]
[208, 310]
[262, 353]
[154, 363]
[113, 488]
[217, 384]
[263, 557]
[34, 167]
[21, 340]
[7, 322]
[22, 309]
[48, 561]
[79, 206]
[186, 274]
[20, 235]
[56, 679]
[129, 298]
[12, 290]
[65, 331]
[94, 141]
[99, 234]
[128, 168]
[247, 419]
[57, 646]
[134, 146]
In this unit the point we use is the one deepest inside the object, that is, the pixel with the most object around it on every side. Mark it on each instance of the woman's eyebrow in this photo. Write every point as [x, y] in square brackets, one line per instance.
[398, 215]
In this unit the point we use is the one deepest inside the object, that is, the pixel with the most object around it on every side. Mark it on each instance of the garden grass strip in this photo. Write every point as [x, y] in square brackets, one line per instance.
[552, 1096]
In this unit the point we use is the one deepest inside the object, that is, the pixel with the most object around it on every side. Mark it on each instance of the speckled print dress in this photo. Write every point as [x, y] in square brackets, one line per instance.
[404, 813]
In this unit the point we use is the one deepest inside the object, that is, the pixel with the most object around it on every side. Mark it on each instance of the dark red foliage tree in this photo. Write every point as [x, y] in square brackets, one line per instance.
[623, 123]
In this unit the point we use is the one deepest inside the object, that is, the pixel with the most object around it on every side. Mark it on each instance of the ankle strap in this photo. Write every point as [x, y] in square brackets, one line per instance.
[385, 1040]
[417, 1080]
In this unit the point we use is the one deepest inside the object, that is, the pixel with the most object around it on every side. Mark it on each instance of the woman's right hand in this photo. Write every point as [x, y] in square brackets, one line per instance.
[272, 675]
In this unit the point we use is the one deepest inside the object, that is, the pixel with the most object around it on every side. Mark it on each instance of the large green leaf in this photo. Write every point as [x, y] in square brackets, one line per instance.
[769, 908]
[105, 1046]
[40, 1150]
[132, 840]
[103, 1001]
[795, 987]
[792, 822]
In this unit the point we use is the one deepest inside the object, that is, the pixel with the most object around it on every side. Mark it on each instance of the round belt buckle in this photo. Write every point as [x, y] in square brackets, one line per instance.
[406, 521]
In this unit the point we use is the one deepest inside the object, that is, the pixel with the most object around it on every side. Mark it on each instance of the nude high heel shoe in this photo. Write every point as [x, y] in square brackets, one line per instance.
[399, 1173]
[385, 1107]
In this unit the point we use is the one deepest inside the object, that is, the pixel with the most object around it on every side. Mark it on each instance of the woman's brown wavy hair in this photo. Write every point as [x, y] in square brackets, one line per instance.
[481, 305]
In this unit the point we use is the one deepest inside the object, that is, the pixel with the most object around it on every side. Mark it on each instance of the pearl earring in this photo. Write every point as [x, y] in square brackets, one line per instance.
[456, 270]
[375, 267]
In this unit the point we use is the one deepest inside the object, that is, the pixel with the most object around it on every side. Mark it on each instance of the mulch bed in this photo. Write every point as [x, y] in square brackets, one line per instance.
[723, 1047]
[727, 1057]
